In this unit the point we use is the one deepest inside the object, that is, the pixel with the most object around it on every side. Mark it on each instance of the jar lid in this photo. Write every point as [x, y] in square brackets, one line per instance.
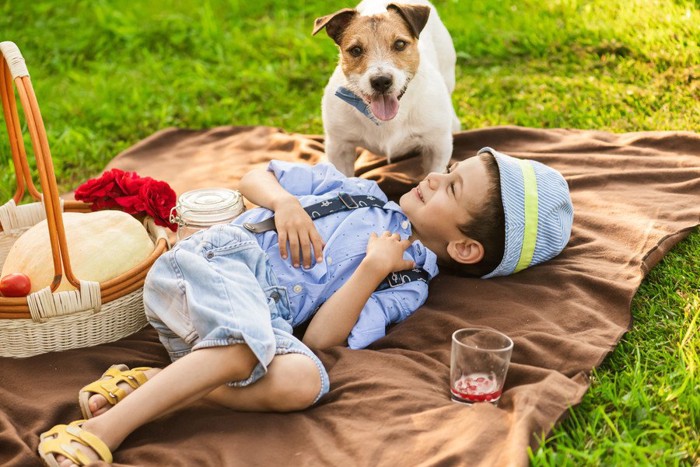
[209, 205]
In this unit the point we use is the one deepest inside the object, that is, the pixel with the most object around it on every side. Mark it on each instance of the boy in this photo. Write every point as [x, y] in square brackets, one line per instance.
[232, 294]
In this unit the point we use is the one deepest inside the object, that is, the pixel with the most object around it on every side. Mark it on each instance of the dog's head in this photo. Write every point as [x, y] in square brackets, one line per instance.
[378, 53]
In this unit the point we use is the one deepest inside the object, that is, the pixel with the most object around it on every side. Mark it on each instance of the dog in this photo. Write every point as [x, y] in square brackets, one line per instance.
[391, 92]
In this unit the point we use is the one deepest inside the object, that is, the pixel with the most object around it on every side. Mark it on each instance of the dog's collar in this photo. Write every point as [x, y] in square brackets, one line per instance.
[357, 102]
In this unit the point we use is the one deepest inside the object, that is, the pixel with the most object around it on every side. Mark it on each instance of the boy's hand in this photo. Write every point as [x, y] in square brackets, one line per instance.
[295, 227]
[385, 253]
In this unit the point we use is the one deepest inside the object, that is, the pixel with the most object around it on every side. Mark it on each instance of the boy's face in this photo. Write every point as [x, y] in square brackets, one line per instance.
[444, 201]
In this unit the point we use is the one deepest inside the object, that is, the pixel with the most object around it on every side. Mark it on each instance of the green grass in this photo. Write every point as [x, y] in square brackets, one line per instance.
[644, 403]
[109, 73]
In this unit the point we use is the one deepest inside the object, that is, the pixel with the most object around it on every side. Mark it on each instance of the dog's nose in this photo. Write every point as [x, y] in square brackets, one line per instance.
[381, 83]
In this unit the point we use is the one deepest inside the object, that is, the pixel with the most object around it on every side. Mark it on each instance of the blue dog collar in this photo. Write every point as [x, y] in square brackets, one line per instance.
[356, 101]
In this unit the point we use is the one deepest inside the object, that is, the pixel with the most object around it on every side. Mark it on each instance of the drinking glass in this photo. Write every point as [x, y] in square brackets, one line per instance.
[478, 365]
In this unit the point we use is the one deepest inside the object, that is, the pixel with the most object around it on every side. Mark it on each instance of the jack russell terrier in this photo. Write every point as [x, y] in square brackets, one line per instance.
[391, 92]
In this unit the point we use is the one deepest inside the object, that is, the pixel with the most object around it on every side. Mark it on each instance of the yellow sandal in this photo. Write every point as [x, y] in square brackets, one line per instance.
[57, 442]
[109, 387]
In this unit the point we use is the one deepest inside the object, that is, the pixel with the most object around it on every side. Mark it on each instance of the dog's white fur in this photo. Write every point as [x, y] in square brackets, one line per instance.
[426, 118]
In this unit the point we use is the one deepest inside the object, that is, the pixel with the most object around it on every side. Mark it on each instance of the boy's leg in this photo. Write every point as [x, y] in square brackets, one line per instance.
[273, 393]
[185, 381]
[292, 383]
[296, 379]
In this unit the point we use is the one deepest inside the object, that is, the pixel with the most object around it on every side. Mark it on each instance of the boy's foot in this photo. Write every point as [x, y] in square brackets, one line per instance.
[71, 445]
[114, 385]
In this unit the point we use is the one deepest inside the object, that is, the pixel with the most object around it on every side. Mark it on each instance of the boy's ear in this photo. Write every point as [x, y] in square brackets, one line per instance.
[465, 251]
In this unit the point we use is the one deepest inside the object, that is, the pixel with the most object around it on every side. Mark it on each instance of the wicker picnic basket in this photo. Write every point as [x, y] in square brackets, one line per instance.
[46, 320]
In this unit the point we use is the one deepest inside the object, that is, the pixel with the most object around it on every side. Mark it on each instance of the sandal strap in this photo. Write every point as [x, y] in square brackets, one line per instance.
[57, 441]
[109, 389]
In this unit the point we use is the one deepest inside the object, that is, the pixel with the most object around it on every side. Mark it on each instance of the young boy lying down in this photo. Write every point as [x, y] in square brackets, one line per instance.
[225, 301]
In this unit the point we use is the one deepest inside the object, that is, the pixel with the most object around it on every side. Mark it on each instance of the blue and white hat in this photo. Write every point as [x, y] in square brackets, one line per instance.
[538, 213]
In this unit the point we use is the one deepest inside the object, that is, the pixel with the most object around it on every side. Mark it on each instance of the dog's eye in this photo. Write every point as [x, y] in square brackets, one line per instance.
[399, 45]
[356, 51]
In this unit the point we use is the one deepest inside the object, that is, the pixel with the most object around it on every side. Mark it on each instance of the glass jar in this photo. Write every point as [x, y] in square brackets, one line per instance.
[200, 209]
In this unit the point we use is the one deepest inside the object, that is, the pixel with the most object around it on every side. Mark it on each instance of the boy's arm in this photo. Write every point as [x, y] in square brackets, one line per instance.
[332, 323]
[293, 224]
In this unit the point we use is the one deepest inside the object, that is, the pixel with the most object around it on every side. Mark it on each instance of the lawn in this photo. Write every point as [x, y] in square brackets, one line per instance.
[109, 73]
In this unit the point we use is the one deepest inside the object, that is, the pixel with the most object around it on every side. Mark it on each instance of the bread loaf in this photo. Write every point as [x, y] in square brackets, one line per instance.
[101, 246]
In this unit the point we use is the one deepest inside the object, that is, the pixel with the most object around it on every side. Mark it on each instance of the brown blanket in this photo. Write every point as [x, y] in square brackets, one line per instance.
[635, 196]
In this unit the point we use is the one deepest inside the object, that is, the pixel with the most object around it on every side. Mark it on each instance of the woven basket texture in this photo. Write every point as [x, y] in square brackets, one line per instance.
[119, 318]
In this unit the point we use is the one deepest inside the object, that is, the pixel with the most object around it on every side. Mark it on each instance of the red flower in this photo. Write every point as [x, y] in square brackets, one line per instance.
[128, 192]
[129, 182]
[103, 188]
[131, 204]
[159, 199]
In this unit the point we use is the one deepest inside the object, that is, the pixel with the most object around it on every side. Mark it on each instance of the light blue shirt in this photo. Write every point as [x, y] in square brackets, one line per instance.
[345, 235]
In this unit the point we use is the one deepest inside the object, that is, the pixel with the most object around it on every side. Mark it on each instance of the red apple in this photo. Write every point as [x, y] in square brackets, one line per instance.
[15, 285]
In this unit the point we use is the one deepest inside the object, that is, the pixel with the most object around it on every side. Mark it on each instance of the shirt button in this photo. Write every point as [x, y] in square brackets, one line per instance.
[298, 288]
[329, 260]
[210, 254]
[404, 225]
[275, 296]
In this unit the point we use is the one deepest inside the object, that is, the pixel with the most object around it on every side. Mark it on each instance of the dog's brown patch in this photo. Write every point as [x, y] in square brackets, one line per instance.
[378, 38]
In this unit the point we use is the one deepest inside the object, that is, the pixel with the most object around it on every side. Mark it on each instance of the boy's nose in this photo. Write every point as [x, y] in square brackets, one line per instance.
[434, 179]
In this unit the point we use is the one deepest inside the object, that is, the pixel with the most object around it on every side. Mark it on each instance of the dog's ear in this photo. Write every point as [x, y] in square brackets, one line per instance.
[416, 16]
[335, 23]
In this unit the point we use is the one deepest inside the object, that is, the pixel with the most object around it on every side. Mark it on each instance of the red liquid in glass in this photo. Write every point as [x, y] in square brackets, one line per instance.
[476, 387]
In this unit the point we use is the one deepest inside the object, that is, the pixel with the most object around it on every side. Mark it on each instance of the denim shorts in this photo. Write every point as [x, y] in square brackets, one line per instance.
[216, 288]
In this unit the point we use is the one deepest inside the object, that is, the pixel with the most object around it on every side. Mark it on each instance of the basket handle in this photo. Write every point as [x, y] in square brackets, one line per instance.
[14, 67]
[15, 70]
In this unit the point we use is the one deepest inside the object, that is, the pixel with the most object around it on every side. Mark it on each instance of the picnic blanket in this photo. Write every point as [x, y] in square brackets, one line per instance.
[635, 196]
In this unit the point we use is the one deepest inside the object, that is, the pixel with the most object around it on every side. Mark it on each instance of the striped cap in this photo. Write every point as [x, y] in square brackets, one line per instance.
[538, 213]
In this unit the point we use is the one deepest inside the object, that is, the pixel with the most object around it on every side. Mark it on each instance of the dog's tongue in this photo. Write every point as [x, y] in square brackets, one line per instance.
[385, 107]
